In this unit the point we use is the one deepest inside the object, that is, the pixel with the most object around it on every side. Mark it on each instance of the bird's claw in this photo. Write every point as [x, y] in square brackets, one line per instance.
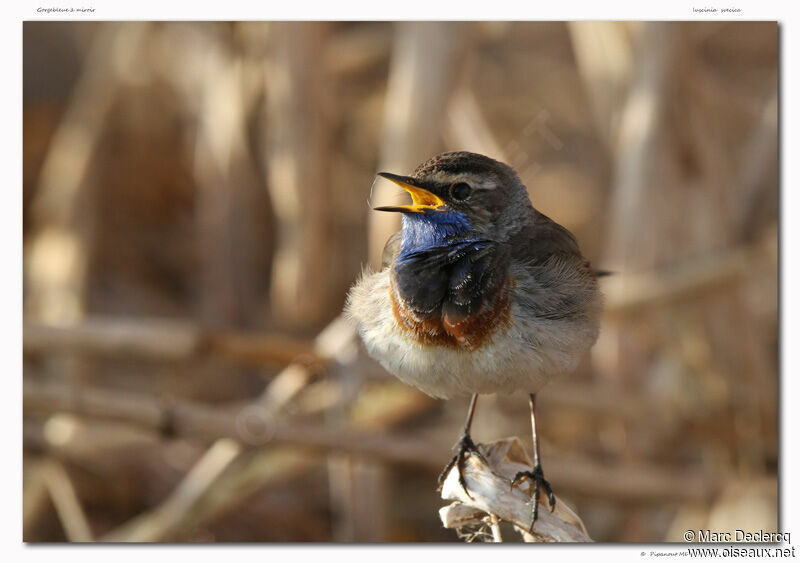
[465, 446]
[536, 475]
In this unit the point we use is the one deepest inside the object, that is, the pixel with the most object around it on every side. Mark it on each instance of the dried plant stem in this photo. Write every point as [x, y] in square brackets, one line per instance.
[488, 484]
[65, 499]
[159, 523]
[639, 483]
[163, 339]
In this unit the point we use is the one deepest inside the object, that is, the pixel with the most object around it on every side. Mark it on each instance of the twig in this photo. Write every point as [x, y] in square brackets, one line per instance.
[604, 58]
[638, 142]
[58, 257]
[179, 511]
[494, 524]
[298, 99]
[34, 496]
[65, 499]
[757, 182]
[224, 173]
[273, 465]
[267, 467]
[164, 339]
[629, 292]
[630, 483]
[251, 424]
[159, 523]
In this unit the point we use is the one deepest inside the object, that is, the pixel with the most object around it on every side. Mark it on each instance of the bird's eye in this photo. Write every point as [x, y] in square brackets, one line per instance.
[460, 191]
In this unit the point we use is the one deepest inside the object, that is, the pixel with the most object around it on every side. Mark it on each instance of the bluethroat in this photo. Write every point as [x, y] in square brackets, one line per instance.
[478, 293]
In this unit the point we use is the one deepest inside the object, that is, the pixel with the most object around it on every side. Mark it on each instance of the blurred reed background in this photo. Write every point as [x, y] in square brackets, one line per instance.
[196, 206]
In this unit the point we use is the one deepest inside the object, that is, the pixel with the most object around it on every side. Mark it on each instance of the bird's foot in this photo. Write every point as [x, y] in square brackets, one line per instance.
[536, 475]
[464, 447]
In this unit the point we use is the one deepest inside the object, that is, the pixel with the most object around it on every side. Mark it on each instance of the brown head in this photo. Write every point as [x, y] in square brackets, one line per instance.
[483, 195]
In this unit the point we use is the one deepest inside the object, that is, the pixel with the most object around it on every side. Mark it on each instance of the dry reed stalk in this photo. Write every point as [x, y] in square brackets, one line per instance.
[643, 483]
[166, 340]
[489, 498]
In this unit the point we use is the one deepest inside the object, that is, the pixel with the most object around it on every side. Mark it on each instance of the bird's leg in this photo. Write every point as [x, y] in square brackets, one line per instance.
[464, 446]
[536, 475]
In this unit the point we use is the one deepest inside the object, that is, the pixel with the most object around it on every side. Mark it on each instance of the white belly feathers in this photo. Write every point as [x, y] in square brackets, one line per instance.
[522, 355]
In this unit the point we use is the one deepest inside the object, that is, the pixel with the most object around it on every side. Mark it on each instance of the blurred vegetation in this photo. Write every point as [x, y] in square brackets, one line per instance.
[197, 202]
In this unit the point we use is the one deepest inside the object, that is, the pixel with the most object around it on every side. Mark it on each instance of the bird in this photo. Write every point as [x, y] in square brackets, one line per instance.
[478, 293]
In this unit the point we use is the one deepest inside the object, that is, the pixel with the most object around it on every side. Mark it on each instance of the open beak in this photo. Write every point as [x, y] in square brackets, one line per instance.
[422, 198]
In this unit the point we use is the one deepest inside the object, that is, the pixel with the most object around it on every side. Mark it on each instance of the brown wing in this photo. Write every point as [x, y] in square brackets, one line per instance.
[562, 284]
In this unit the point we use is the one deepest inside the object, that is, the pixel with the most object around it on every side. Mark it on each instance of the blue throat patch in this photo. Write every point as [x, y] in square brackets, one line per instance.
[431, 229]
